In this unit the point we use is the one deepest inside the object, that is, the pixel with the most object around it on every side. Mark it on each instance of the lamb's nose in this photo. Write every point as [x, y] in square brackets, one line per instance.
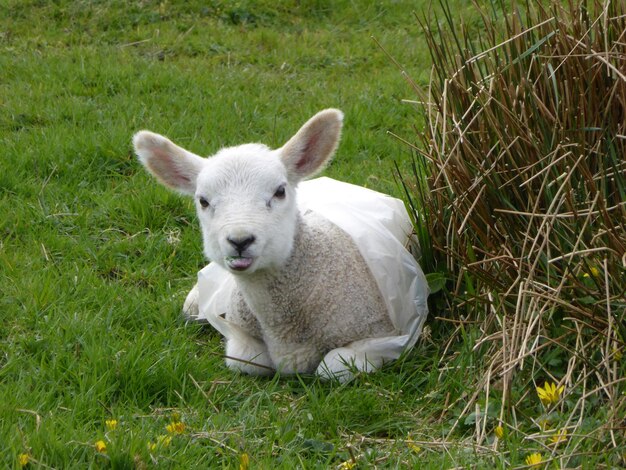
[240, 244]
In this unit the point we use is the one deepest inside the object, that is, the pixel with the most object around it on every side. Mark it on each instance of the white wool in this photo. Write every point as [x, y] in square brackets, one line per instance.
[299, 288]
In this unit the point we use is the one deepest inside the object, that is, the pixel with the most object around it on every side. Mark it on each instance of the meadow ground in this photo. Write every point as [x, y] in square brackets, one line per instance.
[96, 258]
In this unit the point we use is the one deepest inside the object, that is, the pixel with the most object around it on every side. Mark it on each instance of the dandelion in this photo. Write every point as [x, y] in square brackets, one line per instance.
[534, 460]
[550, 393]
[560, 436]
[244, 461]
[499, 432]
[101, 447]
[23, 460]
[176, 427]
[111, 424]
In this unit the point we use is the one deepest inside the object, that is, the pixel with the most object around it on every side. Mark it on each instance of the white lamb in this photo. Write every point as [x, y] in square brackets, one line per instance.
[302, 286]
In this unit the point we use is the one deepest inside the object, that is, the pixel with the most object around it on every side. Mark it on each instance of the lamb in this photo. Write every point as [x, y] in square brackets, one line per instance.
[303, 288]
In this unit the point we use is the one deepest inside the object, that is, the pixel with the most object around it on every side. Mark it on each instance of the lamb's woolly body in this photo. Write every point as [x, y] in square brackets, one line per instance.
[304, 287]
[323, 298]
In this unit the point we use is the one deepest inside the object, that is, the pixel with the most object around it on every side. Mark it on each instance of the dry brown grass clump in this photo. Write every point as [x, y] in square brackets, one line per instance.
[520, 184]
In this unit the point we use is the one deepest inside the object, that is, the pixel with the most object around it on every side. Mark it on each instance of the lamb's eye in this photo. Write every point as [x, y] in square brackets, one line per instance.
[280, 192]
[203, 202]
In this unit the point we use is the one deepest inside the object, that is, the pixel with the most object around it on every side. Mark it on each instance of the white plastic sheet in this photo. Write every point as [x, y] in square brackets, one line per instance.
[381, 229]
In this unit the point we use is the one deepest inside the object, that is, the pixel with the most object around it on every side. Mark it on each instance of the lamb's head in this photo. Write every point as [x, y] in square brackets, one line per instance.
[245, 195]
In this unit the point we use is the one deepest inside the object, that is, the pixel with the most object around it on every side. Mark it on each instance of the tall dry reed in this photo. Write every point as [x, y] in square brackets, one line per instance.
[520, 187]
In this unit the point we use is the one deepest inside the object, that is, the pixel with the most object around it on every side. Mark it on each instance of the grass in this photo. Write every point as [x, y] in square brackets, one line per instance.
[96, 258]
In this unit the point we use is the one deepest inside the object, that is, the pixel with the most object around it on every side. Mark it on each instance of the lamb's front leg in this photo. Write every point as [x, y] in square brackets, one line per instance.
[295, 358]
[190, 308]
[247, 354]
[360, 356]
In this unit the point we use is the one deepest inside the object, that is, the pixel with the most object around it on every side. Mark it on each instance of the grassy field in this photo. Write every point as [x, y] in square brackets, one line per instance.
[96, 258]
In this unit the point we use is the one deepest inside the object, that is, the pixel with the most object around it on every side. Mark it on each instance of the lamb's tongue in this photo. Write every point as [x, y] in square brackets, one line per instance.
[240, 263]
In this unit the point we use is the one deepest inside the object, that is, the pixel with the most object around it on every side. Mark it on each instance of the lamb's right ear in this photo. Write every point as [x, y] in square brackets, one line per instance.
[174, 166]
[312, 147]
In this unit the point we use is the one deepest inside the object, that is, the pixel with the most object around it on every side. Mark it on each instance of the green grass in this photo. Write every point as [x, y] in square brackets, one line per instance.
[96, 258]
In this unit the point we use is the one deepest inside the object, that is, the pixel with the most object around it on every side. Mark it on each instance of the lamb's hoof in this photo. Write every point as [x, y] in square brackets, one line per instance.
[334, 373]
[343, 364]
[191, 310]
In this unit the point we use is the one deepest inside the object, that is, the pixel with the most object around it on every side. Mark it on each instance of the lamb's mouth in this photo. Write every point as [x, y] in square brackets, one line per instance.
[239, 263]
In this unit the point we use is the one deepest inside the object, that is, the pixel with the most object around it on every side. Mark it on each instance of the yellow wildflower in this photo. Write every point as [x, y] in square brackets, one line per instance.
[244, 461]
[111, 424]
[544, 424]
[550, 393]
[410, 443]
[560, 436]
[414, 447]
[347, 465]
[23, 460]
[176, 427]
[534, 460]
[595, 272]
[101, 447]
[161, 442]
[499, 432]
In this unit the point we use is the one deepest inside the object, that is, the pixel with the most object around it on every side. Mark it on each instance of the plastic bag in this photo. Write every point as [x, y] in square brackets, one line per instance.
[381, 229]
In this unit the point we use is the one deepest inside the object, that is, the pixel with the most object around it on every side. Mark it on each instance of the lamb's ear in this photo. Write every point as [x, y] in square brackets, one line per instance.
[174, 166]
[312, 147]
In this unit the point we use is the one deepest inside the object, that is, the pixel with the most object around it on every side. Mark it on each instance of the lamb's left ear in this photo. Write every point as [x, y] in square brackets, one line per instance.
[174, 166]
[312, 147]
